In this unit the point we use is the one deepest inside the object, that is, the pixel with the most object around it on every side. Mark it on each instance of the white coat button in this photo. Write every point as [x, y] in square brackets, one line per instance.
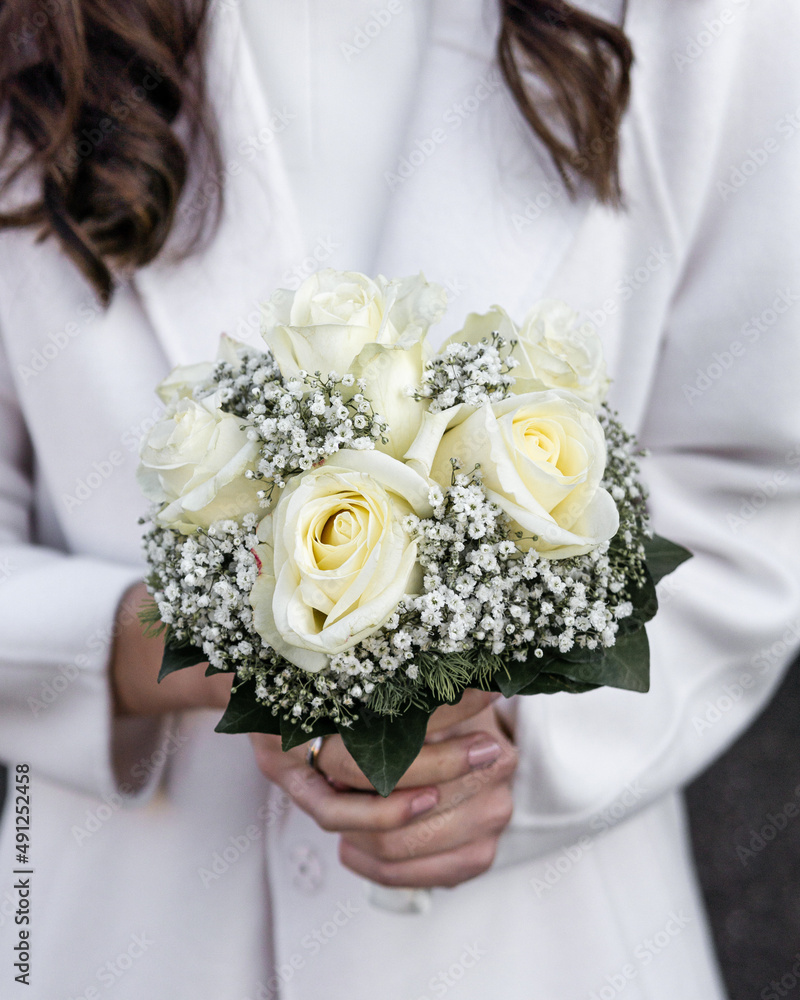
[306, 864]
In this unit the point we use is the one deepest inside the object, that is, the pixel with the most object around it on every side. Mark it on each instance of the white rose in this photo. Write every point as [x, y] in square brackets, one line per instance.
[183, 380]
[557, 351]
[335, 559]
[333, 315]
[542, 456]
[481, 326]
[390, 372]
[194, 461]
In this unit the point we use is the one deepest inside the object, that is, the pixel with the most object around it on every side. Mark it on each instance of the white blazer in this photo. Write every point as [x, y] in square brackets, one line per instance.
[165, 865]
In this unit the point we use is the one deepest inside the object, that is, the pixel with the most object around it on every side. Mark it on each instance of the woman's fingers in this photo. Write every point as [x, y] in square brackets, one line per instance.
[436, 764]
[333, 809]
[447, 870]
[364, 810]
[343, 812]
[466, 818]
[440, 826]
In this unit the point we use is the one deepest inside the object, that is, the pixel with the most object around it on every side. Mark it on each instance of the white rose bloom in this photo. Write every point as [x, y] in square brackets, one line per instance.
[182, 380]
[542, 456]
[389, 373]
[194, 461]
[344, 322]
[481, 326]
[557, 351]
[333, 315]
[335, 559]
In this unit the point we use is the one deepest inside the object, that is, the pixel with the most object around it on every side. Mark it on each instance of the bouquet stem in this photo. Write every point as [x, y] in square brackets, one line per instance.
[411, 901]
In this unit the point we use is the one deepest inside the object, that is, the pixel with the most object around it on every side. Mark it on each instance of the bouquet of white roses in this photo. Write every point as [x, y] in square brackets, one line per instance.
[360, 528]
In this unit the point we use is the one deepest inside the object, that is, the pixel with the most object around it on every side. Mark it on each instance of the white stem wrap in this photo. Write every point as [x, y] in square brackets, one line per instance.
[399, 900]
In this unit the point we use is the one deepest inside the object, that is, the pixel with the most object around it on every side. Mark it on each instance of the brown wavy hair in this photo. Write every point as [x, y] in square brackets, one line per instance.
[104, 108]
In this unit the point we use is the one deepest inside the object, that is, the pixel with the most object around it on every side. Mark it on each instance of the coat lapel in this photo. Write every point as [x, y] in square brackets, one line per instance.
[476, 202]
[220, 288]
[473, 200]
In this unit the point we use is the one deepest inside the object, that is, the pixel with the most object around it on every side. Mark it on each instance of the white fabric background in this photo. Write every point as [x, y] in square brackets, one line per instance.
[672, 284]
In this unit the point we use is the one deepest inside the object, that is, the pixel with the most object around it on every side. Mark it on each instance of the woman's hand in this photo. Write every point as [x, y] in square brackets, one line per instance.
[136, 661]
[439, 827]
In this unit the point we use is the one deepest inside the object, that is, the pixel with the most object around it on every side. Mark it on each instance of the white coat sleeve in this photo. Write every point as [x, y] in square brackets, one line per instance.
[57, 616]
[723, 429]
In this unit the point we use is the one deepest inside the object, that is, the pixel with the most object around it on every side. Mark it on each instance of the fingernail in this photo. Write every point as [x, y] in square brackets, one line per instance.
[422, 803]
[483, 753]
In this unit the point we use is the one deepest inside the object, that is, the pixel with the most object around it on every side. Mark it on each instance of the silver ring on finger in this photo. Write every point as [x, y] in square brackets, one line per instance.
[312, 755]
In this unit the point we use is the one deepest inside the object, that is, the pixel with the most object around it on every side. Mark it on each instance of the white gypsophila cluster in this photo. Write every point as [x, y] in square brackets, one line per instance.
[298, 422]
[201, 585]
[468, 373]
[481, 593]
[621, 479]
[483, 600]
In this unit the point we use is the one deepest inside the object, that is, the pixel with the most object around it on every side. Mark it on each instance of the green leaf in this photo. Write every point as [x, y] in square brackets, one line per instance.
[547, 683]
[293, 735]
[245, 715]
[645, 606]
[514, 675]
[384, 747]
[627, 662]
[624, 665]
[178, 658]
[663, 556]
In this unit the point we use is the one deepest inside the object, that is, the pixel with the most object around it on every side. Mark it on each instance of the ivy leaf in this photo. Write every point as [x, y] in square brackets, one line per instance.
[178, 658]
[514, 675]
[547, 683]
[245, 715]
[293, 735]
[212, 671]
[645, 606]
[385, 746]
[663, 556]
[624, 665]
